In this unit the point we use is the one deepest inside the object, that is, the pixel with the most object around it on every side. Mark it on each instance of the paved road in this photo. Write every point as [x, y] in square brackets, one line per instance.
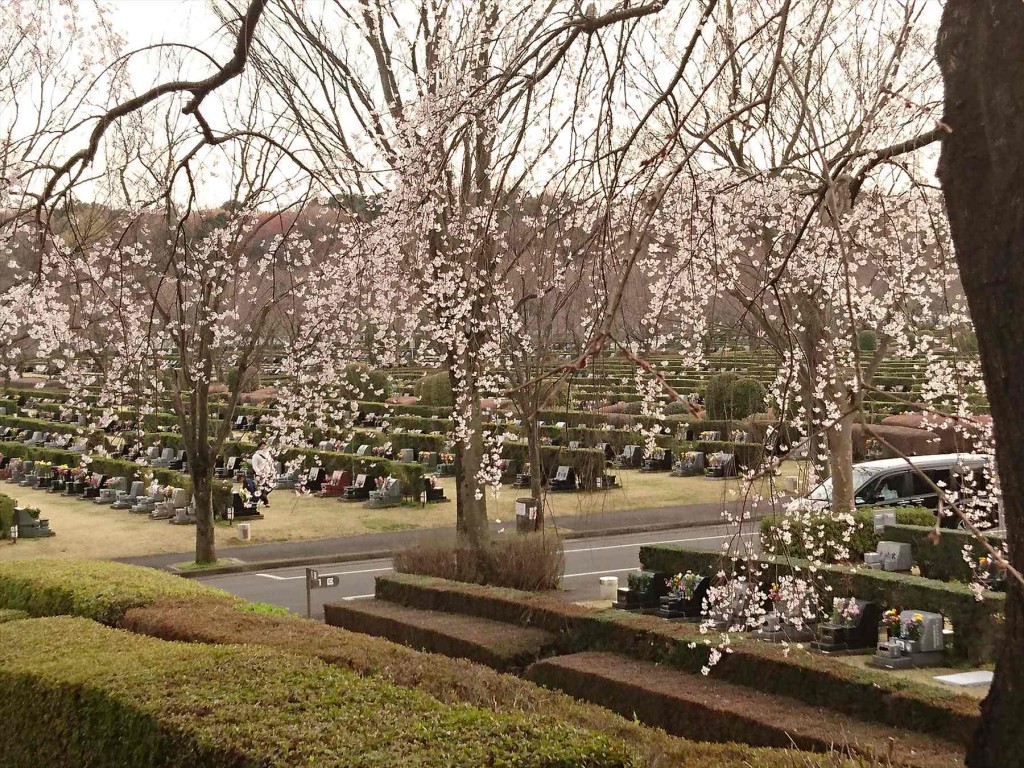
[585, 561]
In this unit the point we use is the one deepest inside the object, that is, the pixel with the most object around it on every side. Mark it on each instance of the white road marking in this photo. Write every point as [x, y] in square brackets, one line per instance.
[668, 541]
[599, 573]
[275, 577]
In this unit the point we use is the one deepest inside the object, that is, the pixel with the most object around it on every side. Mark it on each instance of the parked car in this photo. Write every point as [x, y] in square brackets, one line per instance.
[911, 482]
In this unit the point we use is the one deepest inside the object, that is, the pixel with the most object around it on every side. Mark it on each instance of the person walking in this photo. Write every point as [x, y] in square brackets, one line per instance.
[265, 469]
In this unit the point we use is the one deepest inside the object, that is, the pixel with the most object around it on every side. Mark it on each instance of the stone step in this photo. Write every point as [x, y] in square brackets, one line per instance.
[704, 709]
[497, 645]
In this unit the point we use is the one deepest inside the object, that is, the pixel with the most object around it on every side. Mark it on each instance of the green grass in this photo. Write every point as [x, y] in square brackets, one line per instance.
[97, 590]
[107, 698]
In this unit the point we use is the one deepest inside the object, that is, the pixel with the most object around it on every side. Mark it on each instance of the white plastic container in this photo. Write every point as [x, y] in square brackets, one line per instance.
[609, 587]
[244, 531]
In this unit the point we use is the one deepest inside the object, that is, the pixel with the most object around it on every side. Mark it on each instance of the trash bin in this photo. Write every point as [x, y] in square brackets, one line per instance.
[526, 514]
[243, 531]
[609, 587]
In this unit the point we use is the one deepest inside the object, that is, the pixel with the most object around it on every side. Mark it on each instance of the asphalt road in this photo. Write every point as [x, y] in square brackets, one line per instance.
[586, 560]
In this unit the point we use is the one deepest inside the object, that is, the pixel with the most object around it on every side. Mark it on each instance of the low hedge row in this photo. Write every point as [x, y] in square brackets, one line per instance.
[790, 536]
[940, 557]
[152, 603]
[6, 515]
[977, 623]
[88, 695]
[93, 589]
[116, 468]
[812, 678]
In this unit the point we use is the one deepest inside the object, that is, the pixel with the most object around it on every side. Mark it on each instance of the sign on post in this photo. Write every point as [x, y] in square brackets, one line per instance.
[315, 581]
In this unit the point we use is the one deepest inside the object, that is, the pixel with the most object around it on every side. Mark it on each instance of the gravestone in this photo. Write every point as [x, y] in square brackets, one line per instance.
[564, 479]
[907, 650]
[689, 606]
[644, 591]
[855, 634]
[389, 495]
[406, 456]
[721, 465]
[690, 465]
[360, 488]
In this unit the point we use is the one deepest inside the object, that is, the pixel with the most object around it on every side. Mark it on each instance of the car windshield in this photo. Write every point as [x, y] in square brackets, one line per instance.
[824, 491]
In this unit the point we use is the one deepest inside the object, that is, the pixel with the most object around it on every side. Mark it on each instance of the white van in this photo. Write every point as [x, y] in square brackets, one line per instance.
[899, 483]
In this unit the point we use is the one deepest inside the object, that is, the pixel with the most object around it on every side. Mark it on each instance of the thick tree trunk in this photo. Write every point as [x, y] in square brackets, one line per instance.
[840, 460]
[981, 53]
[201, 470]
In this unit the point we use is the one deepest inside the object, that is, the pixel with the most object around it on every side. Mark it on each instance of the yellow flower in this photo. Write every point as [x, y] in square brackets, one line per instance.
[918, 617]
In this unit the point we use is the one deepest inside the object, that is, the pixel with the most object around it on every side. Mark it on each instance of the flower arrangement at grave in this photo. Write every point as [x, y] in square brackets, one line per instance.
[708, 436]
[447, 458]
[845, 611]
[682, 585]
[912, 627]
[891, 619]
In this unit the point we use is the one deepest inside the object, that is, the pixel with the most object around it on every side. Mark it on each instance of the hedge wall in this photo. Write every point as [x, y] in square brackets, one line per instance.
[811, 678]
[88, 695]
[940, 558]
[977, 624]
[825, 530]
[6, 515]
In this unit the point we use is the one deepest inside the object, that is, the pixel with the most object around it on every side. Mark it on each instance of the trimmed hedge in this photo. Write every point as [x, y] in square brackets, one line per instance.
[811, 678]
[93, 589]
[6, 515]
[88, 695]
[826, 529]
[977, 624]
[940, 558]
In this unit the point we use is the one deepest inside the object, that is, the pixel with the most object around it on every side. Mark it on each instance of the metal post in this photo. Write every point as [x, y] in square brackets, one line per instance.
[310, 576]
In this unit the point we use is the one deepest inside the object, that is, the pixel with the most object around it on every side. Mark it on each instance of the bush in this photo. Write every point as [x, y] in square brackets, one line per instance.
[361, 382]
[867, 340]
[6, 515]
[823, 531]
[531, 562]
[939, 558]
[97, 590]
[436, 389]
[731, 398]
[106, 698]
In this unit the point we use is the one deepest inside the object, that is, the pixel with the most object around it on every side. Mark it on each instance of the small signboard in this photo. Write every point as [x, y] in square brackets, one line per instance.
[315, 581]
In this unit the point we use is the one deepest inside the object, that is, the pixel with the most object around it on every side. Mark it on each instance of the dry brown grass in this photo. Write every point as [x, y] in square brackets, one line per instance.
[531, 563]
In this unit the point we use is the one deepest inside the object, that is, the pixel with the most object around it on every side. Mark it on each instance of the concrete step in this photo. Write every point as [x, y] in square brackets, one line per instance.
[704, 709]
[497, 645]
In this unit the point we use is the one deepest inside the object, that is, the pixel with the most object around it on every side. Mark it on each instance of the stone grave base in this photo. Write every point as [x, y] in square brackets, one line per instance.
[910, 661]
[786, 635]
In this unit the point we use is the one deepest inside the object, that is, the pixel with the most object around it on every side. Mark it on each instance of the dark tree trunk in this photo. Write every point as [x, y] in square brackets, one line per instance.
[536, 468]
[981, 53]
[201, 470]
[470, 502]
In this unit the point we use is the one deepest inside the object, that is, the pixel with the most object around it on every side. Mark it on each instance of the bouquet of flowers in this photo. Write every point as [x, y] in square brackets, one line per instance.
[912, 628]
[892, 622]
[844, 612]
[682, 585]
[775, 594]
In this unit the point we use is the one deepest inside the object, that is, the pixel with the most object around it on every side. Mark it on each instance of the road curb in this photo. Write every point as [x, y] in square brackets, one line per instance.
[382, 554]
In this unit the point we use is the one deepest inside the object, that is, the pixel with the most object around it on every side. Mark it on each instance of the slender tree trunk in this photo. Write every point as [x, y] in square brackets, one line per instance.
[536, 469]
[470, 502]
[201, 469]
[981, 53]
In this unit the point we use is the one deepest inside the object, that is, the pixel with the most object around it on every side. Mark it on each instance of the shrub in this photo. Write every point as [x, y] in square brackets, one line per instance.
[436, 389]
[729, 397]
[532, 562]
[939, 557]
[6, 515]
[107, 698]
[361, 382]
[102, 591]
[823, 530]
[867, 340]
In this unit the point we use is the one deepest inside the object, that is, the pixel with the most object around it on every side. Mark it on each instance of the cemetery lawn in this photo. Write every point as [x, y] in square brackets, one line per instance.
[87, 530]
[925, 675]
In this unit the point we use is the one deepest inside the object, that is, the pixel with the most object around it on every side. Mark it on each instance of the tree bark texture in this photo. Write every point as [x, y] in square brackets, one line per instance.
[981, 53]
